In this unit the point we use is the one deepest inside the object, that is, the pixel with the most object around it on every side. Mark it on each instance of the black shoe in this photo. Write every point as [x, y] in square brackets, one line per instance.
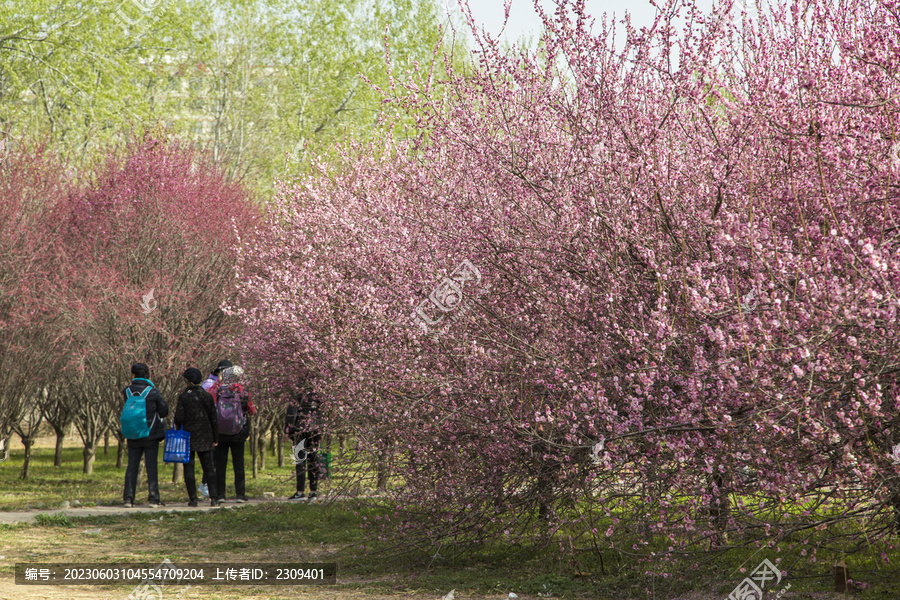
[192, 502]
[241, 499]
[298, 496]
[214, 503]
[313, 496]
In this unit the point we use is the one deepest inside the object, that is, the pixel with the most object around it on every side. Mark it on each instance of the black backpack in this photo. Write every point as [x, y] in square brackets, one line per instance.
[303, 414]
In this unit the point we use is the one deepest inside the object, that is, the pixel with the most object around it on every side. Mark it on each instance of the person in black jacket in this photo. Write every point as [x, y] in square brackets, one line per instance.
[148, 446]
[196, 413]
[303, 425]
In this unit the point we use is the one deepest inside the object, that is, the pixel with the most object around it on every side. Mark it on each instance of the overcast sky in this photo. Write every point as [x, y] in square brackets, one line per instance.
[524, 20]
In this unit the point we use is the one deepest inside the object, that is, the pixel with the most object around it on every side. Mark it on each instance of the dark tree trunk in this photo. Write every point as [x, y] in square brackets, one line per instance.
[58, 452]
[254, 436]
[120, 452]
[280, 447]
[383, 470]
[261, 450]
[28, 442]
[719, 507]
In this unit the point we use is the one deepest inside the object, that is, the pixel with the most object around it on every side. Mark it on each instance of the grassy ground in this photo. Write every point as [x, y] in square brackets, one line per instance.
[48, 486]
[282, 532]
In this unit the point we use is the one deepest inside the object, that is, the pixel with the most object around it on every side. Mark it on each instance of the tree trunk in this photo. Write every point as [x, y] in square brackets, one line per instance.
[280, 447]
[895, 502]
[261, 450]
[253, 437]
[106, 443]
[177, 473]
[341, 444]
[272, 443]
[719, 507]
[120, 452]
[89, 452]
[58, 453]
[27, 441]
[383, 470]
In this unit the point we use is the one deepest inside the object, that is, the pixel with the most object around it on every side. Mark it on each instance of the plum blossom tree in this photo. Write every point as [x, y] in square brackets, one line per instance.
[684, 319]
[30, 182]
[148, 247]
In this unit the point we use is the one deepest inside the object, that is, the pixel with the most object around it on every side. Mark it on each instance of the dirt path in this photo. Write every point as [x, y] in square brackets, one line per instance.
[29, 516]
[10, 591]
[36, 545]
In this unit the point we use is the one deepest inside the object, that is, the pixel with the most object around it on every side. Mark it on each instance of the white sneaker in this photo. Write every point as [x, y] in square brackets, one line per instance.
[204, 490]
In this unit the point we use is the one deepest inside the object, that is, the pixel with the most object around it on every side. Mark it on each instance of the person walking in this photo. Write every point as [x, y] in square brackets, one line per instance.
[143, 422]
[196, 413]
[211, 385]
[233, 410]
[304, 427]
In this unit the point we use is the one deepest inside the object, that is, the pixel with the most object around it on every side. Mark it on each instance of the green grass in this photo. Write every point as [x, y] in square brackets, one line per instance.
[337, 532]
[53, 520]
[47, 487]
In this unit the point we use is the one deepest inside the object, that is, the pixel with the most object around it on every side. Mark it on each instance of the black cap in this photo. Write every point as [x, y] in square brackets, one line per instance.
[193, 375]
[223, 364]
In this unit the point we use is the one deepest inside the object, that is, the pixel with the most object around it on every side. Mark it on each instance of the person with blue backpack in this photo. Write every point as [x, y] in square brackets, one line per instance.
[143, 422]
[233, 409]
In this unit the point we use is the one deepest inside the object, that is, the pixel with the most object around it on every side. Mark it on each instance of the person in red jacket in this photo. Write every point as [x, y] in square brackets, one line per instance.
[230, 383]
[211, 385]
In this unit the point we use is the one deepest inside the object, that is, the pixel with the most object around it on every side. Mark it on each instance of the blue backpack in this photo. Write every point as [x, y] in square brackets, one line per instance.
[134, 415]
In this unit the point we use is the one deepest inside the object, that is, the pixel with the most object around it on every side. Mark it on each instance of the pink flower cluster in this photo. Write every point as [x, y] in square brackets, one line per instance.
[693, 251]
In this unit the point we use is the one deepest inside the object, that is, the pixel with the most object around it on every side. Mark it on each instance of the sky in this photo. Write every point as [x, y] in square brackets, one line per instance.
[524, 20]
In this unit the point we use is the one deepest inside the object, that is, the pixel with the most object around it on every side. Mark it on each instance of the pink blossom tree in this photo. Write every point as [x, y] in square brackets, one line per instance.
[147, 247]
[31, 181]
[624, 294]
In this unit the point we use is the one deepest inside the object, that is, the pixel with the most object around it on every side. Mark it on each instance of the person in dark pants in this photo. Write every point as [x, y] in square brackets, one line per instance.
[144, 433]
[304, 426]
[211, 385]
[230, 384]
[196, 413]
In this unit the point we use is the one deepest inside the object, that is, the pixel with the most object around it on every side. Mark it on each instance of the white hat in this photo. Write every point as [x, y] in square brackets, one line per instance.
[232, 374]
